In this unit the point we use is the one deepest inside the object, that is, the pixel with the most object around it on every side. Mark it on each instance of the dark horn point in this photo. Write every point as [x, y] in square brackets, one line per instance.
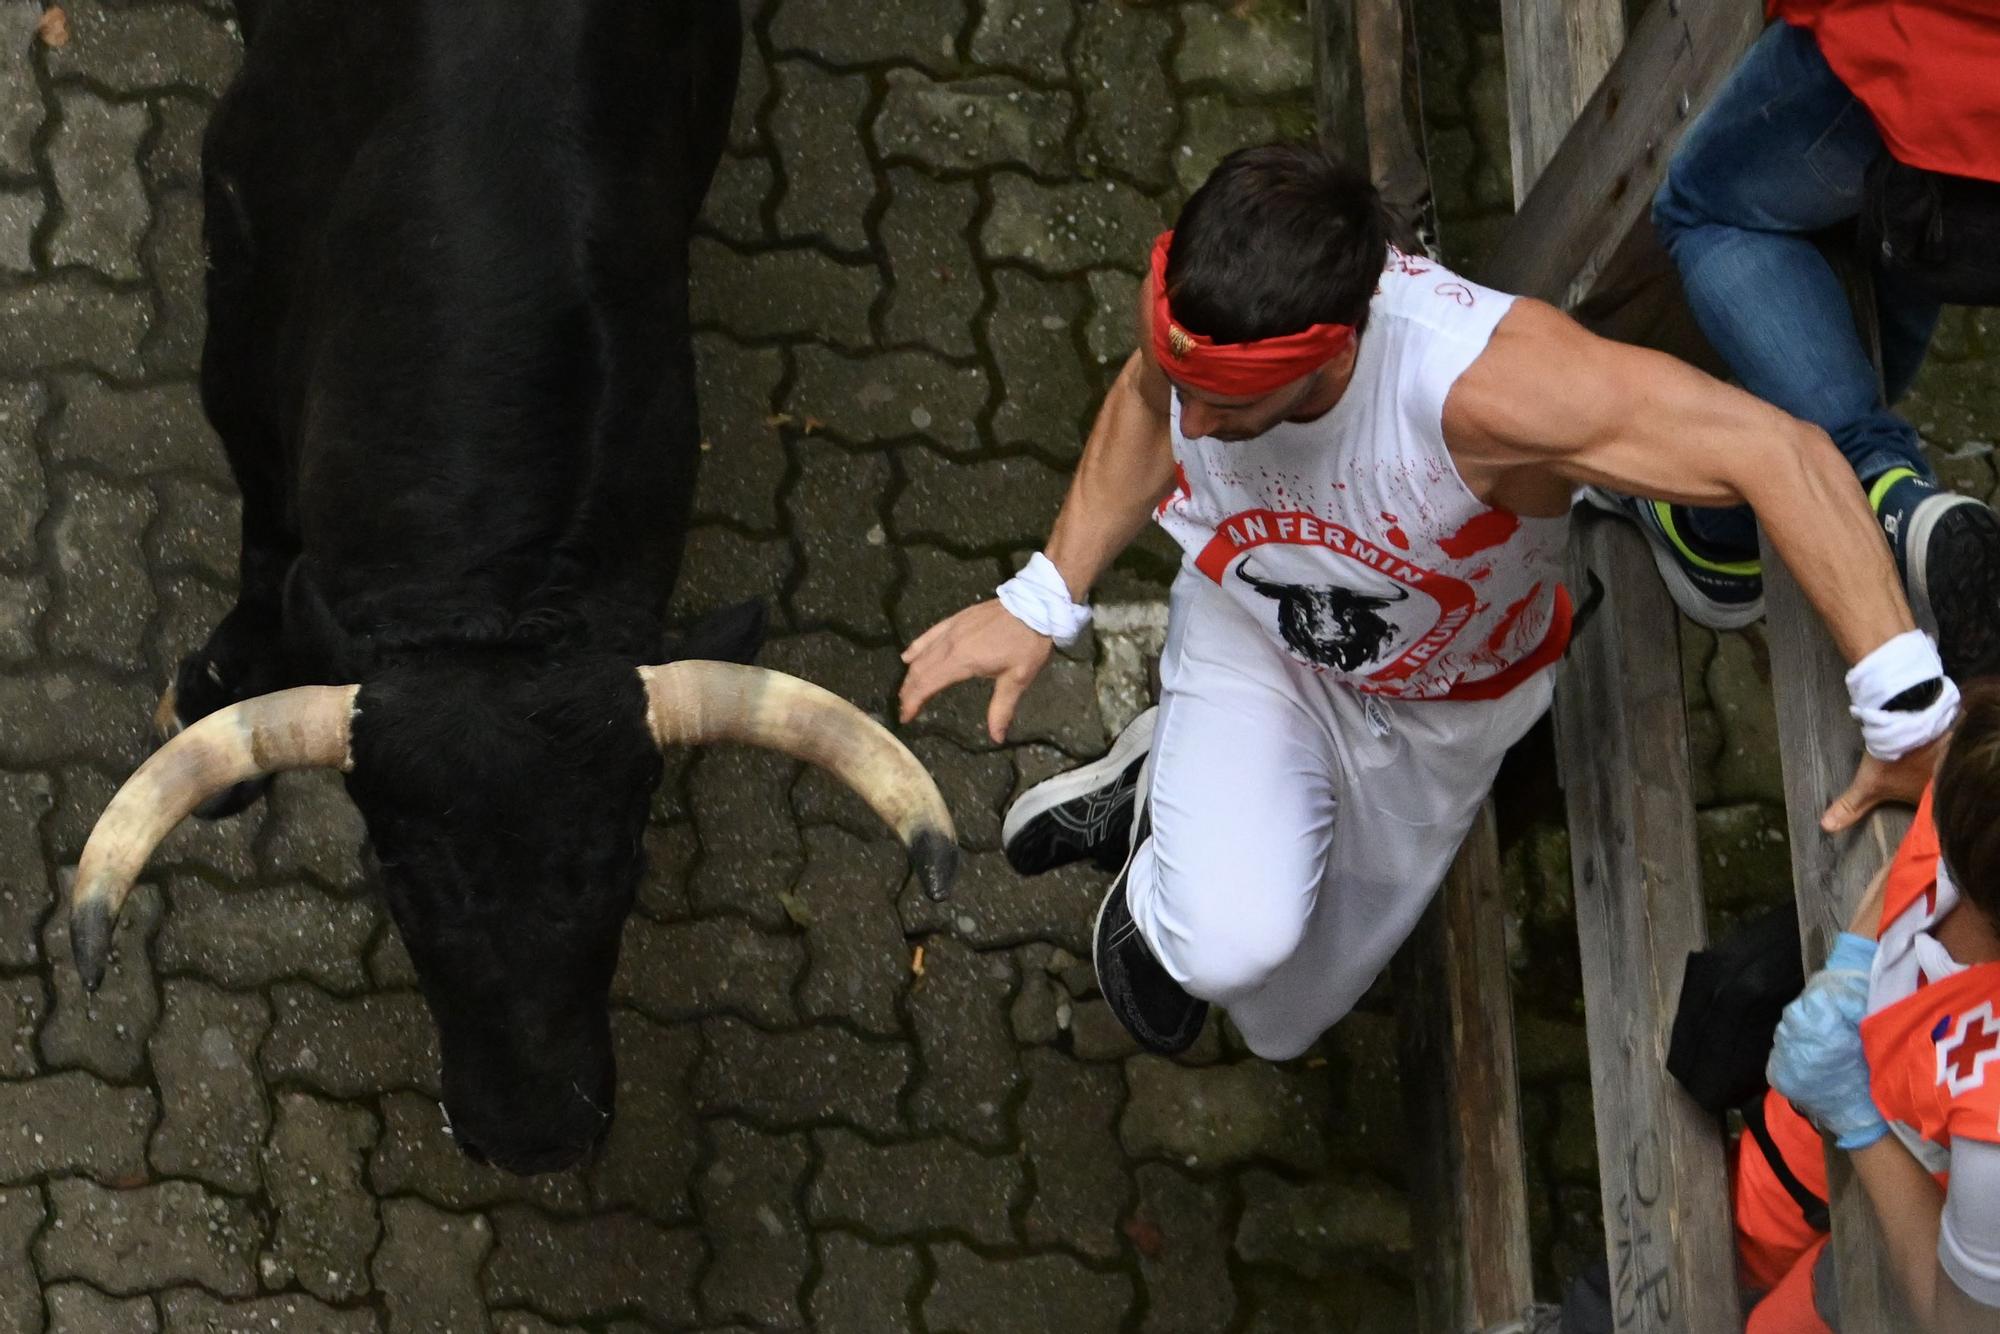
[934, 861]
[90, 941]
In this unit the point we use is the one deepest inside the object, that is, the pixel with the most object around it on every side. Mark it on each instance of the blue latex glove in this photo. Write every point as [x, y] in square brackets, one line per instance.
[1818, 1061]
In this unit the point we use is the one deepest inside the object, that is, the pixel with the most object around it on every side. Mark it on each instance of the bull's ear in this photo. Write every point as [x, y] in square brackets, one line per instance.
[730, 634]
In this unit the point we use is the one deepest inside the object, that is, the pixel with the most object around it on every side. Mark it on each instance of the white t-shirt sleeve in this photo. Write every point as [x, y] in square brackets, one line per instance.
[1969, 1240]
[1462, 316]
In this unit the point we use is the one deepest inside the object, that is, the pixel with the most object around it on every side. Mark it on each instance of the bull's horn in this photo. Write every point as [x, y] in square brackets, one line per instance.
[304, 728]
[694, 702]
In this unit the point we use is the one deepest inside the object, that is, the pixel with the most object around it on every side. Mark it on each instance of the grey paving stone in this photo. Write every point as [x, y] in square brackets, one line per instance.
[941, 583]
[722, 568]
[131, 1241]
[21, 110]
[1032, 331]
[1212, 127]
[173, 160]
[251, 937]
[1265, 50]
[1213, 1116]
[21, 1216]
[24, 493]
[1180, 1230]
[21, 1008]
[526, 1322]
[772, 294]
[1062, 229]
[23, 601]
[57, 714]
[1112, 331]
[1371, 1122]
[1305, 1227]
[837, 506]
[104, 1033]
[1358, 1299]
[104, 598]
[750, 851]
[862, 1288]
[1068, 1130]
[969, 1071]
[389, 966]
[213, 1110]
[829, 182]
[350, 1048]
[190, 609]
[21, 213]
[1025, 36]
[735, 204]
[72, 1122]
[427, 1268]
[315, 831]
[670, 858]
[416, 1155]
[915, 1190]
[1041, 1012]
[76, 1309]
[865, 677]
[648, 1161]
[923, 31]
[935, 293]
[198, 527]
[964, 125]
[968, 505]
[94, 155]
[890, 396]
[813, 1077]
[136, 48]
[748, 1197]
[720, 965]
[992, 907]
[26, 889]
[578, 1269]
[1129, 104]
[857, 964]
[325, 1226]
[70, 319]
[744, 466]
[175, 261]
[1047, 1293]
[136, 432]
[753, 87]
[190, 1311]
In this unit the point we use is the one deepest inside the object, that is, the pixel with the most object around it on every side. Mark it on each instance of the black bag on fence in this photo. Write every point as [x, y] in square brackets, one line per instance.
[1732, 996]
[1938, 233]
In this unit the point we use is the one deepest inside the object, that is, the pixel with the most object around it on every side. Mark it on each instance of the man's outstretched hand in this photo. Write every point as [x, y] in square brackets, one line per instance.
[1877, 781]
[983, 640]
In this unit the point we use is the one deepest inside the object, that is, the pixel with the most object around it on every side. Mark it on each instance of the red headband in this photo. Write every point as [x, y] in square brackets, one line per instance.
[1246, 370]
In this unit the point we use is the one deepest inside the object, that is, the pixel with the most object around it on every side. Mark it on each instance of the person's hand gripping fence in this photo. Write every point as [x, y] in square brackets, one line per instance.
[1818, 1060]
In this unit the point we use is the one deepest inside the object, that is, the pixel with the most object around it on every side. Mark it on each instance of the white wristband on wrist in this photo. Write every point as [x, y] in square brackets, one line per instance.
[1908, 660]
[1039, 599]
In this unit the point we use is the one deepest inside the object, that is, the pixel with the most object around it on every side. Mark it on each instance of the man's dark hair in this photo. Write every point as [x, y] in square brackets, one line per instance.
[1278, 238]
[1966, 804]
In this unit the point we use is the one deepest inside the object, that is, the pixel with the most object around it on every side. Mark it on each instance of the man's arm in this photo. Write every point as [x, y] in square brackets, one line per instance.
[1910, 1206]
[1546, 392]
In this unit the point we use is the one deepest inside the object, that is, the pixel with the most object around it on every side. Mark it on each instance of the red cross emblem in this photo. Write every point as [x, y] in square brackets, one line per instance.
[1974, 1045]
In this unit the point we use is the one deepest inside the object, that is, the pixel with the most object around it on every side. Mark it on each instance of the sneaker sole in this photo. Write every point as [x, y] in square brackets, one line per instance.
[1696, 605]
[1972, 602]
[1052, 792]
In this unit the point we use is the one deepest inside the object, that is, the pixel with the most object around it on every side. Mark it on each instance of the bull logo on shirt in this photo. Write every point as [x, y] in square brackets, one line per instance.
[1328, 624]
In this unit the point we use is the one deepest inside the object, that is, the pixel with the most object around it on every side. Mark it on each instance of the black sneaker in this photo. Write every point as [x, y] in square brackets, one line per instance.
[1086, 812]
[1160, 1016]
[1948, 546]
[1720, 594]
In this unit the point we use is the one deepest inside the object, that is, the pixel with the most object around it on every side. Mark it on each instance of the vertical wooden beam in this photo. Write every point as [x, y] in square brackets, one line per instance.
[1820, 747]
[1557, 52]
[1455, 1018]
[1337, 98]
[1621, 728]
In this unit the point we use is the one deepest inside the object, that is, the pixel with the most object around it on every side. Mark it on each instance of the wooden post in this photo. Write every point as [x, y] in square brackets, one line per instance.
[1337, 79]
[1557, 53]
[1621, 729]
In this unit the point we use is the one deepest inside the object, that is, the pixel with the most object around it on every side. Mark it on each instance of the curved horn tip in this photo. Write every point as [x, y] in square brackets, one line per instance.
[90, 940]
[934, 861]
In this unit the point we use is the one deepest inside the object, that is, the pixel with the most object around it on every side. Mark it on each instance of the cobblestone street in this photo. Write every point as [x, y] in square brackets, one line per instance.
[841, 1107]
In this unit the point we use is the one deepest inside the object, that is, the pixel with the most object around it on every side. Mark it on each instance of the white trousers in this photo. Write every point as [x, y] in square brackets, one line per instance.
[1299, 830]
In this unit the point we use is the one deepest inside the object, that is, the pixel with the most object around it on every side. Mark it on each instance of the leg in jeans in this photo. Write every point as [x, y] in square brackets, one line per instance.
[1781, 153]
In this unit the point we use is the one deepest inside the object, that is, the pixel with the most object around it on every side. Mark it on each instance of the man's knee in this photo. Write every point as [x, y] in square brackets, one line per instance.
[1228, 950]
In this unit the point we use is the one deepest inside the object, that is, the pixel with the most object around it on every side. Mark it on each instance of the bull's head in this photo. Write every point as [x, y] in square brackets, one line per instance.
[506, 810]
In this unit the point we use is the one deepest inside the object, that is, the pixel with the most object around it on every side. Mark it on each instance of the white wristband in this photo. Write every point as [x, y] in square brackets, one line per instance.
[1039, 599]
[1910, 659]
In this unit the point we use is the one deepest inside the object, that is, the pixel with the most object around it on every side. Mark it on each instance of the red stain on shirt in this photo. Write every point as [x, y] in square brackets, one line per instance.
[1496, 640]
[1480, 533]
[1398, 539]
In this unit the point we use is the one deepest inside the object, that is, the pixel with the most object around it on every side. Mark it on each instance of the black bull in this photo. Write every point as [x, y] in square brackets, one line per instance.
[449, 360]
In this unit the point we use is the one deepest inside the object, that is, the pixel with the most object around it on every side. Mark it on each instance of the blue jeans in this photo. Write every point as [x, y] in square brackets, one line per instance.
[1781, 153]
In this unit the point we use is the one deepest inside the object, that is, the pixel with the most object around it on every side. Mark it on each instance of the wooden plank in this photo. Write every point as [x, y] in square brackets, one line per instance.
[1393, 101]
[1621, 729]
[1820, 746]
[1338, 98]
[1461, 1095]
[1598, 186]
[1557, 53]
